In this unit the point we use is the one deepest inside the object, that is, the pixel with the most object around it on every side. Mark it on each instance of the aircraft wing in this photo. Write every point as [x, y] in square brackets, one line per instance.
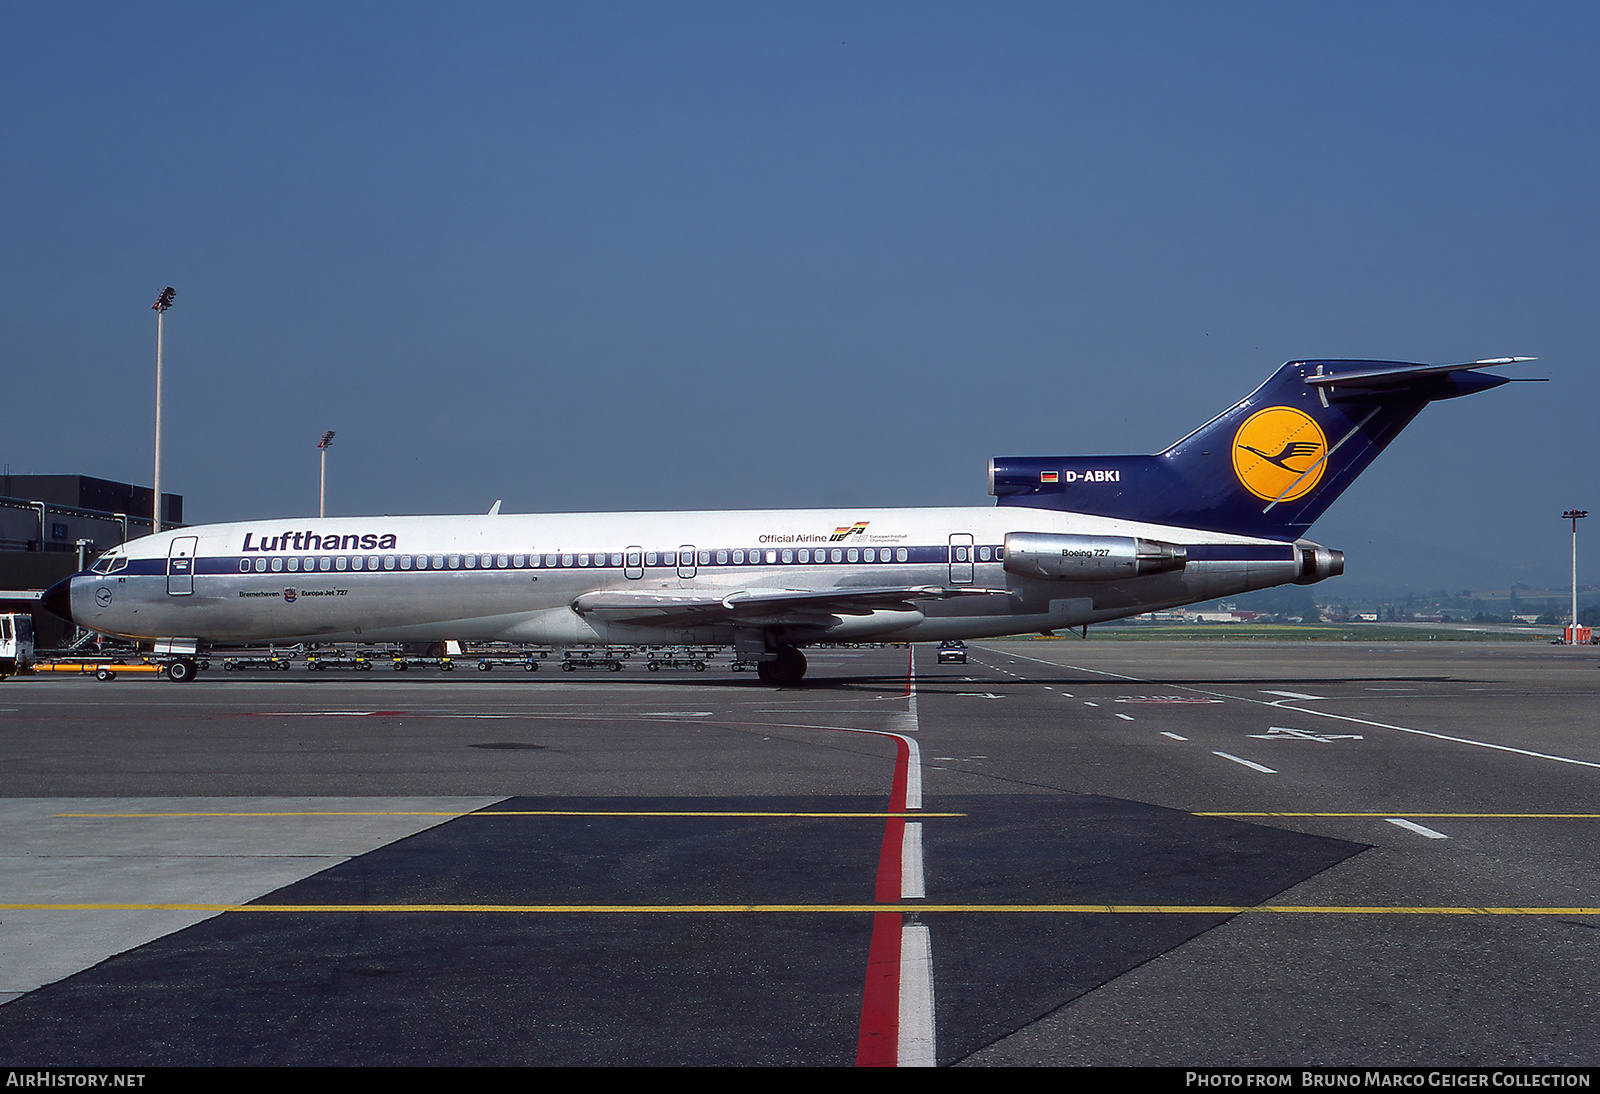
[765, 606]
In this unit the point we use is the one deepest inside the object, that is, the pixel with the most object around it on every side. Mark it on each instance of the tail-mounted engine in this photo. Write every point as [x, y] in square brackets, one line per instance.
[1316, 562]
[1089, 558]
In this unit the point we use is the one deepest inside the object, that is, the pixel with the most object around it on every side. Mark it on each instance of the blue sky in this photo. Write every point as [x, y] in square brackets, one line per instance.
[643, 255]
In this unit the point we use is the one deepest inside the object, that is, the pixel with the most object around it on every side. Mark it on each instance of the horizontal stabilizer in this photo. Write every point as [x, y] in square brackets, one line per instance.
[1434, 381]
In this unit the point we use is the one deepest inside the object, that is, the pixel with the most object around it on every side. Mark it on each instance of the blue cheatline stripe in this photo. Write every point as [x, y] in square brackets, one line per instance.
[665, 560]
[1241, 552]
[568, 560]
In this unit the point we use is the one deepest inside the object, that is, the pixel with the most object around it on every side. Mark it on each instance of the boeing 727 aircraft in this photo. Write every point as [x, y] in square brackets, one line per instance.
[1073, 540]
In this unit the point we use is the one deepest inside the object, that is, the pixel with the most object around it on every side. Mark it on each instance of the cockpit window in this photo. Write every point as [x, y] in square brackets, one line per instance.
[110, 562]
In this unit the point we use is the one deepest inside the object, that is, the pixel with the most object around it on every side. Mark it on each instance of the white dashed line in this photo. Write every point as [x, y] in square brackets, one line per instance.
[916, 1046]
[1413, 826]
[1251, 764]
[912, 884]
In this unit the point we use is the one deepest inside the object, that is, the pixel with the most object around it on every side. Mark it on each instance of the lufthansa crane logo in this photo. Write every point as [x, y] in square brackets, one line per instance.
[1279, 453]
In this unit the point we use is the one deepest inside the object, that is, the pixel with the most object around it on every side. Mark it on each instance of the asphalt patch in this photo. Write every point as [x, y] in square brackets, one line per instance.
[462, 988]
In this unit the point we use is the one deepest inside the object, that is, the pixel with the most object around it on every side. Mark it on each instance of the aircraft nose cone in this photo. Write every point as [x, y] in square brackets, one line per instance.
[57, 599]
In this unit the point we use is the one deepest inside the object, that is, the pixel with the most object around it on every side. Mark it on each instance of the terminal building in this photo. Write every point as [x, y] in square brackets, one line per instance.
[52, 525]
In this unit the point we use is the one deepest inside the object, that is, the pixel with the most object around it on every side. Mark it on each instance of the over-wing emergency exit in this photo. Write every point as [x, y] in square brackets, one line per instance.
[1073, 540]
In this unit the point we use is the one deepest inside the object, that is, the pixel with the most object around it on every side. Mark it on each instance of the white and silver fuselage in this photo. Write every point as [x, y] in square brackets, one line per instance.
[593, 577]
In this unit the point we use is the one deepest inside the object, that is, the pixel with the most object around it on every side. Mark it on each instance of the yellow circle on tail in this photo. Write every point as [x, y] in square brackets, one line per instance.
[1279, 453]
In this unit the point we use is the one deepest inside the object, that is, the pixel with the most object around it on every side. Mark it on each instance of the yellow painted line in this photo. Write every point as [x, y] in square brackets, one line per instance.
[532, 813]
[82, 667]
[124, 816]
[813, 909]
[1402, 813]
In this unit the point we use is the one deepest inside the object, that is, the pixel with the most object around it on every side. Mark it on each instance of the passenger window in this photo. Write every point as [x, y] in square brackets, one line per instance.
[405, 562]
[870, 555]
[837, 555]
[469, 561]
[983, 554]
[325, 562]
[261, 564]
[244, 565]
[805, 556]
[649, 558]
[901, 555]
[277, 565]
[788, 556]
[294, 565]
[341, 562]
[852, 555]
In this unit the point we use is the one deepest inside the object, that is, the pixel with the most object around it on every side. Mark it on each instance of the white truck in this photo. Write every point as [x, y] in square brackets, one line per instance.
[16, 644]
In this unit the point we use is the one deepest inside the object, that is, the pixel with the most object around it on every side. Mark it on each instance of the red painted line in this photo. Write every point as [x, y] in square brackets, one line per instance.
[887, 890]
[878, 1044]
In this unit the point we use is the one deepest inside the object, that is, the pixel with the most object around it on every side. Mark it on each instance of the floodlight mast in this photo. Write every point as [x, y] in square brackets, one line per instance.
[163, 302]
[1574, 515]
[322, 484]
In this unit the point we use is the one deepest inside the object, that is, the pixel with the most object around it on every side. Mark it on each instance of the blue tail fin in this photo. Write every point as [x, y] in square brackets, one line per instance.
[1267, 466]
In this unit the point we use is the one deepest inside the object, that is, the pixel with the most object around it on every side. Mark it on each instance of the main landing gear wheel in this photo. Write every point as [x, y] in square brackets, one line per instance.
[788, 668]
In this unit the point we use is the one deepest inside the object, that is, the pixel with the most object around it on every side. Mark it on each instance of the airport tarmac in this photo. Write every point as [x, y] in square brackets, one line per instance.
[1062, 852]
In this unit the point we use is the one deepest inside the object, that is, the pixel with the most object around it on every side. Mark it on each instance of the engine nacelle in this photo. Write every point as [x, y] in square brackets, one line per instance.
[1089, 558]
[1316, 562]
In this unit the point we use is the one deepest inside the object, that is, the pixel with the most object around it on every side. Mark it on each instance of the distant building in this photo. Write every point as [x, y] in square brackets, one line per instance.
[50, 524]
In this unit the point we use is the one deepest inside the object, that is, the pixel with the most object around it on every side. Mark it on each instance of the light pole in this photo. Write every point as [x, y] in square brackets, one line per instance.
[1574, 515]
[322, 486]
[163, 302]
